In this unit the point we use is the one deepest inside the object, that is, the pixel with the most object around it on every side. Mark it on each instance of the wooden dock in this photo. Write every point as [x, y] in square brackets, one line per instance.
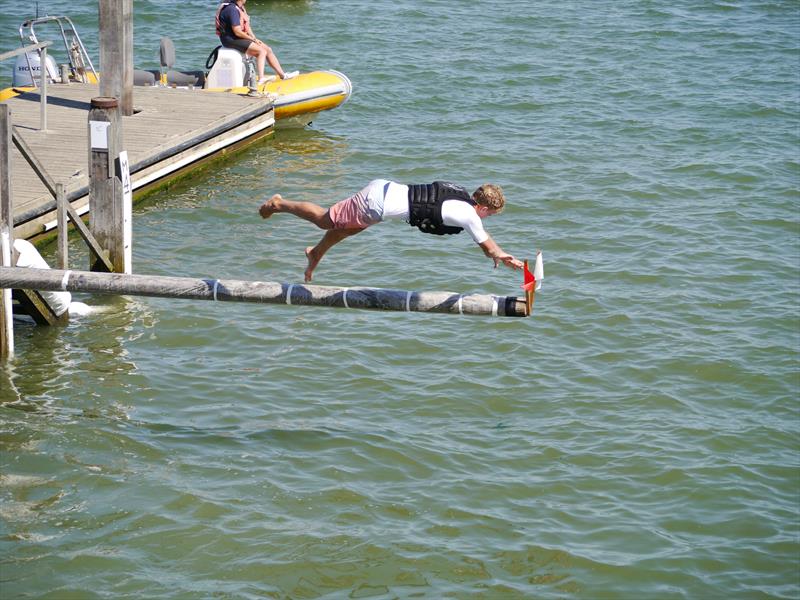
[171, 130]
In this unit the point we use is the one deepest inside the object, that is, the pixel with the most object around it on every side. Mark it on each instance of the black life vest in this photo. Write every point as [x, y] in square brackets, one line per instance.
[425, 206]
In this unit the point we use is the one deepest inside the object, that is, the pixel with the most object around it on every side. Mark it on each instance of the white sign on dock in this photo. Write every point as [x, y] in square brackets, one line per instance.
[98, 131]
[127, 210]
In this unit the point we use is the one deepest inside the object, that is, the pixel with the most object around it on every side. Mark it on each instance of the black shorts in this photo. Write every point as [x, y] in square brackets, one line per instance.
[239, 44]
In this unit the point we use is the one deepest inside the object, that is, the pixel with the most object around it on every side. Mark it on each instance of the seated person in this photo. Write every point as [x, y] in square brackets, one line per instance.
[233, 29]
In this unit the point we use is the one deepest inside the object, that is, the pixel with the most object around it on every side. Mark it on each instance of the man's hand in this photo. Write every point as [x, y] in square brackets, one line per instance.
[508, 261]
[493, 251]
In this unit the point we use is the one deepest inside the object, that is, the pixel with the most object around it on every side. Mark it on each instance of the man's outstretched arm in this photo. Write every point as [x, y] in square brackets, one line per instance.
[495, 252]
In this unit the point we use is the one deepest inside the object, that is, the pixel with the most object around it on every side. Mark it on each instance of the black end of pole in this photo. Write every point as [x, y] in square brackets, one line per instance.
[515, 307]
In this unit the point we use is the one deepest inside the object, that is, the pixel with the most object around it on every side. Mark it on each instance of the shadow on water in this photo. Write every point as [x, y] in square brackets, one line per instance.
[304, 151]
[289, 150]
[308, 141]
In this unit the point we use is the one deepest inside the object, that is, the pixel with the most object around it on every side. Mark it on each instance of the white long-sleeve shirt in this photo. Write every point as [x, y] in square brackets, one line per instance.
[455, 213]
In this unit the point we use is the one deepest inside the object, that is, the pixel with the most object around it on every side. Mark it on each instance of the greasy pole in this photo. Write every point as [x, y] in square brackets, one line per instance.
[265, 292]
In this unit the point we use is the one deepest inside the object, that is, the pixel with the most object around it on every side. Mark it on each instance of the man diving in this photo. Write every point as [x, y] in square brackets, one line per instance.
[438, 208]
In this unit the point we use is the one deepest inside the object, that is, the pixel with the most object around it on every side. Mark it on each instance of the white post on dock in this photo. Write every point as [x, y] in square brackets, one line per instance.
[106, 197]
[43, 89]
[6, 232]
[116, 52]
[62, 218]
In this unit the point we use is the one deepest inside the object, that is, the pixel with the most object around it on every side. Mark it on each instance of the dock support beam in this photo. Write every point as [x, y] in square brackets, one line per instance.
[264, 292]
[62, 218]
[116, 52]
[106, 198]
[6, 233]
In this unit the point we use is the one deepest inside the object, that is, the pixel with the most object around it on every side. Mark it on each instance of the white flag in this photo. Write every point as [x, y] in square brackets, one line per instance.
[538, 270]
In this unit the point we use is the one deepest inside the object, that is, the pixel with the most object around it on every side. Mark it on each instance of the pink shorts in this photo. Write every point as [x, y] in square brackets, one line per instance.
[360, 210]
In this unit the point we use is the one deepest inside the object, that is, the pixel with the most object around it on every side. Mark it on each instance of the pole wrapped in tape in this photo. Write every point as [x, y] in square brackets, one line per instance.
[265, 292]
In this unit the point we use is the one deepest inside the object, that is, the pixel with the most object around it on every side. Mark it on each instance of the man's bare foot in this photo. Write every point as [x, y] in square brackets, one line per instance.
[313, 261]
[270, 206]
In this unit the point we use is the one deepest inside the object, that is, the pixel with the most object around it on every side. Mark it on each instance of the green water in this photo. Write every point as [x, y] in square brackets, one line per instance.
[637, 438]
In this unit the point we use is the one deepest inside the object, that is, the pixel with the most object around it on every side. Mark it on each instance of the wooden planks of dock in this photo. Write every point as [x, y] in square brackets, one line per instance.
[170, 130]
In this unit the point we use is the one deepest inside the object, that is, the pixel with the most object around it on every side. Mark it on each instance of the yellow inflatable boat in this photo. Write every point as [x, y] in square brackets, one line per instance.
[309, 93]
[295, 99]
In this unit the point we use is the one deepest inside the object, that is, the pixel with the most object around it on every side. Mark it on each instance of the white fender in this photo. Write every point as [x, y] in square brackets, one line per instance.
[29, 257]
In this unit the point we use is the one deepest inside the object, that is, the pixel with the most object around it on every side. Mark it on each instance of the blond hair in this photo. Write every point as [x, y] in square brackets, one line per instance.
[490, 195]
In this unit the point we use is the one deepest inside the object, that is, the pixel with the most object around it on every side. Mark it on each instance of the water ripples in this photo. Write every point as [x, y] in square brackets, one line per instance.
[636, 438]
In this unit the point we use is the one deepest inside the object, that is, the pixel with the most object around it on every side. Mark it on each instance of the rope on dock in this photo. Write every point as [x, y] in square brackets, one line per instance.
[265, 292]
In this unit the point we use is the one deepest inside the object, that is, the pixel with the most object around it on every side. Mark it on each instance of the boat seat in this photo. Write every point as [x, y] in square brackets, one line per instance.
[195, 78]
[167, 60]
[166, 53]
[141, 77]
[178, 78]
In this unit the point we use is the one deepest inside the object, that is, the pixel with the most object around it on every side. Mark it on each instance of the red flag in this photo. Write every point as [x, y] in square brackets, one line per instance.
[529, 280]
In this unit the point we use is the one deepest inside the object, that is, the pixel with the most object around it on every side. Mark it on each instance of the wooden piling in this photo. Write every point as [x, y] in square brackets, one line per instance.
[127, 66]
[6, 233]
[116, 52]
[265, 292]
[105, 186]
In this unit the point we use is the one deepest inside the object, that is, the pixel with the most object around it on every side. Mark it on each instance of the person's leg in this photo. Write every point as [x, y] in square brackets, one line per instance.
[331, 238]
[313, 213]
[274, 63]
[260, 52]
[265, 54]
